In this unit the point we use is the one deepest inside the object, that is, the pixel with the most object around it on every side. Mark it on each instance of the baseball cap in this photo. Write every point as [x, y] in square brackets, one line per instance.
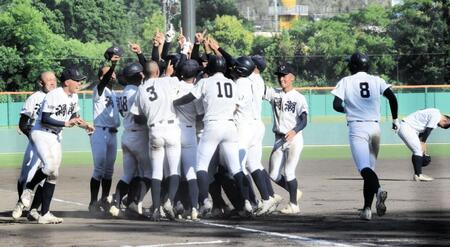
[285, 69]
[71, 73]
[260, 62]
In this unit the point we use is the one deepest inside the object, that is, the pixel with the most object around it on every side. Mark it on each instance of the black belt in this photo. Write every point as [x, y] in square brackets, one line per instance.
[50, 131]
[361, 121]
[110, 129]
[161, 122]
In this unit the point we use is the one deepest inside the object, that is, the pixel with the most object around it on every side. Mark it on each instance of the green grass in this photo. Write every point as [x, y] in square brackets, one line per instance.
[309, 153]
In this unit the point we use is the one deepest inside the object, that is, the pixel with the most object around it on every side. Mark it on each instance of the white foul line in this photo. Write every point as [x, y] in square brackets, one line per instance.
[276, 234]
[183, 244]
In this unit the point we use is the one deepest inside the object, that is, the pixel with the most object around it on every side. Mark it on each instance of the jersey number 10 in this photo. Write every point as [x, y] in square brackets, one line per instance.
[226, 88]
[364, 86]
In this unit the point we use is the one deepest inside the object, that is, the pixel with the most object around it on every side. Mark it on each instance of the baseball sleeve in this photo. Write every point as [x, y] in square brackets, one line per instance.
[136, 107]
[269, 93]
[28, 108]
[435, 117]
[302, 105]
[339, 90]
[198, 89]
[50, 103]
[383, 85]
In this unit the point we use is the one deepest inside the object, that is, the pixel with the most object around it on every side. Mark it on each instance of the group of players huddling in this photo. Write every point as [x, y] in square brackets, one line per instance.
[192, 128]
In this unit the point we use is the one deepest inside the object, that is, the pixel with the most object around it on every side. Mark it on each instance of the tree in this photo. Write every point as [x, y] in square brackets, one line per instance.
[208, 10]
[420, 29]
[232, 35]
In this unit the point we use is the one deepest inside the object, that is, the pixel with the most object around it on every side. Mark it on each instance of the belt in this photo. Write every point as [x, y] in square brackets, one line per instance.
[110, 129]
[361, 121]
[212, 120]
[50, 131]
[162, 122]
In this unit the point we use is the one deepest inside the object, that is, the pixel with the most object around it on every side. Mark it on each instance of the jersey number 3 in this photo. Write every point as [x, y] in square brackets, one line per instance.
[364, 86]
[227, 89]
[153, 95]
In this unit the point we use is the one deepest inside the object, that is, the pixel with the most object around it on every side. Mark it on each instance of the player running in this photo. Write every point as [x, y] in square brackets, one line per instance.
[358, 96]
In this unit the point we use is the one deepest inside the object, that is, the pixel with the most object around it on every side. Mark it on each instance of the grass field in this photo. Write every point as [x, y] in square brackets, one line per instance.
[309, 153]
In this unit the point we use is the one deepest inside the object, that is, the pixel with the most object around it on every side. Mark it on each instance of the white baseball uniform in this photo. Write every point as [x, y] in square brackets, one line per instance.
[104, 139]
[31, 160]
[286, 108]
[219, 98]
[135, 144]
[361, 95]
[187, 117]
[47, 139]
[416, 123]
[154, 99]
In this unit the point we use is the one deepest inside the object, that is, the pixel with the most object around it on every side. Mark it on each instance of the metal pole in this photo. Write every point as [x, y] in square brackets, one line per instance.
[188, 18]
[275, 3]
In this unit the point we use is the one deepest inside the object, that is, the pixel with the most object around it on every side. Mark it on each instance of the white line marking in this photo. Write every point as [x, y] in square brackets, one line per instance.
[276, 234]
[183, 244]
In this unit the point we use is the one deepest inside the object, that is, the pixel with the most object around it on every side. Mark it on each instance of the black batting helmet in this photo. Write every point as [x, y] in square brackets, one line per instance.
[113, 50]
[216, 64]
[358, 62]
[243, 66]
[189, 69]
[260, 62]
[132, 71]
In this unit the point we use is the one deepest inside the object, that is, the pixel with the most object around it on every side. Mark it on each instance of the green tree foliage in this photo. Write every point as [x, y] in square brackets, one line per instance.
[420, 29]
[208, 10]
[232, 35]
[33, 48]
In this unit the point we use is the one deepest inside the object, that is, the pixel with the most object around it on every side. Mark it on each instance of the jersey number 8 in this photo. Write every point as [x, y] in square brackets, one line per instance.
[364, 86]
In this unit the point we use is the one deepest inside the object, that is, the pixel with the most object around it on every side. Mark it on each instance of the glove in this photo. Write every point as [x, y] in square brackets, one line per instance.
[170, 34]
[426, 160]
[396, 125]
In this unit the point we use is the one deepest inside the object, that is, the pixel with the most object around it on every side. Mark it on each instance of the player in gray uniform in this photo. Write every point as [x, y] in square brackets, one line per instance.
[31, 160]
[154, 101]
[358, 96]
[59, 109]
[104, 139]
[290, 118]
[134, 143]
[219, 98]
[414, 131]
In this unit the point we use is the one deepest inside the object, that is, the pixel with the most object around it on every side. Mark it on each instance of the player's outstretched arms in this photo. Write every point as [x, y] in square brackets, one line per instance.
[394, 108]
[184, 100]
[48, 120]
[338, 105]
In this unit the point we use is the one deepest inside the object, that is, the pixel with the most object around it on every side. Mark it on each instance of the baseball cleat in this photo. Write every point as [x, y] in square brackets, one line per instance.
[267, 205]
[179, 208]
[381, 198]
[27, 198]
[216, 213]
[205, 209]
[194, 214]
[33, 215]
[278, 199]
[423, 178]
[168, 209]
[137, 208]
[248, 207]
[366, 214]
[94, 208]
[114, 211]
[49, 218]
[156, 215]
[290, 209]
[17, 211]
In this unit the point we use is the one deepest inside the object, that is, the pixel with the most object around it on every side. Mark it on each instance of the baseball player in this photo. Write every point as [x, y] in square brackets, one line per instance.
[31, 160]
[358, 96]
[59, 109]
[248, 138]
[187, 115]
[255, 153]
[290, 118]
[154, 101]
[219, 98]
[134, 142]
[104, 139]
[414, 131]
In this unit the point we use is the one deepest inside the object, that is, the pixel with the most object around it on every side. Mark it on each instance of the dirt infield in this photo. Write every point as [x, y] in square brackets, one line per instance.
[418, 214]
